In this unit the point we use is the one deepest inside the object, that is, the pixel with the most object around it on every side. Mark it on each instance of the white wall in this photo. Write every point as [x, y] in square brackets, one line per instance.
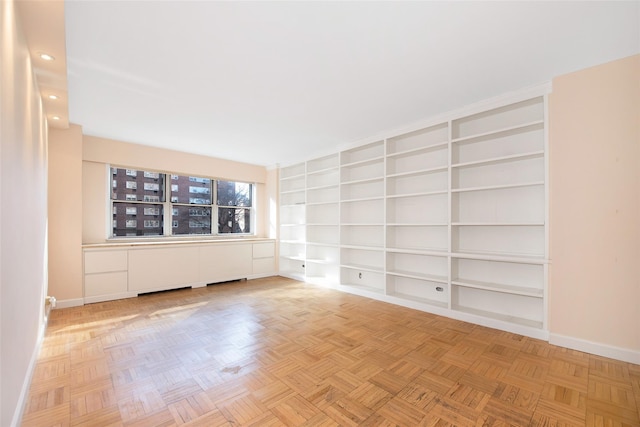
[23, 216]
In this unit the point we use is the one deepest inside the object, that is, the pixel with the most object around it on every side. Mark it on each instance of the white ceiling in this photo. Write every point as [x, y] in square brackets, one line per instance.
[277, 82]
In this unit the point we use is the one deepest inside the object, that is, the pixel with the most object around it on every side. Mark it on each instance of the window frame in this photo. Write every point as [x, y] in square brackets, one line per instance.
[168, 206]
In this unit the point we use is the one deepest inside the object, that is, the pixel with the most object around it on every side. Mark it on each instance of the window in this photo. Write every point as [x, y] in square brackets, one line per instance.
[142, 201]
[234, 207]
[192, 191]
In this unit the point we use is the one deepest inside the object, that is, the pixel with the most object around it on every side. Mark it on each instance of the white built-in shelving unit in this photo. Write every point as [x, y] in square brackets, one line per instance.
[362, 217]
[450, 217]
[323, 220]
[293, 221]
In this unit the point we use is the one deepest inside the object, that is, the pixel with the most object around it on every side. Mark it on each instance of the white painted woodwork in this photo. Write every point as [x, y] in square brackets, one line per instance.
[227, 262]
[450, 218]
[264, 250]
[105, 283]
[105, 261]
[163, 268]
[116, 270]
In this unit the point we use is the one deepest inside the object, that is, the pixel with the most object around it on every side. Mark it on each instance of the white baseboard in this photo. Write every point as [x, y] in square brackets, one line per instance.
[66, 303]
[26, 385]
[599, 349]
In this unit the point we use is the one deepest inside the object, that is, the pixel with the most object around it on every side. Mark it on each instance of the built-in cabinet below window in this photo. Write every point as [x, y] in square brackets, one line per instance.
[450, 217]
[114, 271]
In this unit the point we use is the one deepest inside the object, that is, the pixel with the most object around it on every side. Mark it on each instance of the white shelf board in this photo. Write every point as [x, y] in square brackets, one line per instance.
[417, 224]
[419, 251]
[369, 268]
[363, 162]
[418, 172]
[418, 276]
[299, 242]
[293, 224]
[417, 299]
[521, 127]
[497, 224]
[515, 258]
[299, 190]
[424, 193]
[292, 177]
[362, 181]
[363, 199]
[505, 318]
[498, 287]
[320, 261]
[498, 187]
[323, 187]
[502, 159]
[334, 202]
[379, 248]
[418, 150]
[323, 170]
[328, 245]
[293, 257]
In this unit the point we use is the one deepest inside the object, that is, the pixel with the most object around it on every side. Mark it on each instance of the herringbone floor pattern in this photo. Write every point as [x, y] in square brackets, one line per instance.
[276, 352]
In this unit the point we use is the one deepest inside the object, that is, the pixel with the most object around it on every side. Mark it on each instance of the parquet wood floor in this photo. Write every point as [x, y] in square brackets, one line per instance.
[276, 352]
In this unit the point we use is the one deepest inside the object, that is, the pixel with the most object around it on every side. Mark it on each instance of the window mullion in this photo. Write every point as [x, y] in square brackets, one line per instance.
[167, 207]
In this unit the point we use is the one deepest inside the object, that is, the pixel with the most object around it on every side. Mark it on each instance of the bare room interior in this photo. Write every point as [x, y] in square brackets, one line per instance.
[320, 213]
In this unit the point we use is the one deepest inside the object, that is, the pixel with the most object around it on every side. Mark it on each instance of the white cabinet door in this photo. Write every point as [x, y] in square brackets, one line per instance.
[105, 261]
[225, 262]
[163, 268]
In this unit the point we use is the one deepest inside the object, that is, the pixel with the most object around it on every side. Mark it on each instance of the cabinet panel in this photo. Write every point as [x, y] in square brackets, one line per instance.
[264, 250]
[264, 265]
[163, 268]
[105, 261]
[105, 283]
[225, 262]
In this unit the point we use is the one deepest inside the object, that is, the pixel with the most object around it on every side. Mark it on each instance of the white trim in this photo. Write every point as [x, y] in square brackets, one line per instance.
[66, 303]
[26, 385]
[599, 349]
